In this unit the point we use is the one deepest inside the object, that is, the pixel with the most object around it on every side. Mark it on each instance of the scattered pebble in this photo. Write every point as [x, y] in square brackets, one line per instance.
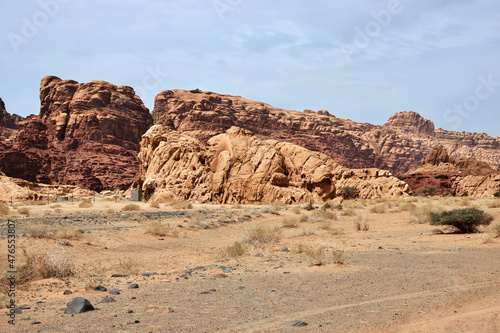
[101, 288]
[133, 286]
[296, 323]
[115, 291]
[78, 305]
[108, 299]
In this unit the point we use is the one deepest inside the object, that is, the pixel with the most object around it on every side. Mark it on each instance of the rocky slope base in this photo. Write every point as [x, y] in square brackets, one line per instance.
[239, 167]
[397, 146]
[454, 176]
[86, 134]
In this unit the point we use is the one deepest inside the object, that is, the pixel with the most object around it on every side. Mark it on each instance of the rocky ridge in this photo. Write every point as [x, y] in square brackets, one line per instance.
[397, 146]
[239, 167]
[454, 176]
[86, 134]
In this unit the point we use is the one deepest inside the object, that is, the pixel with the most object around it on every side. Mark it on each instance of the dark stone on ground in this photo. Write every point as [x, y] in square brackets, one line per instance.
[133, 286]
[108, 299]
[78, 305]
[101, 288]
[67, 292]
[296, 323]
[115, 292]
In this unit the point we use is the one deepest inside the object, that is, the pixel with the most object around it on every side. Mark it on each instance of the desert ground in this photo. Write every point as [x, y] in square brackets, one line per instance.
[368, 266]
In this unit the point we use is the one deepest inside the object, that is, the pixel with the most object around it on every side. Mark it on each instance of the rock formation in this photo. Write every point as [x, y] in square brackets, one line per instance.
[86, 134]
[239, 167]
[397, 146]
[8, 123]
[462, 176]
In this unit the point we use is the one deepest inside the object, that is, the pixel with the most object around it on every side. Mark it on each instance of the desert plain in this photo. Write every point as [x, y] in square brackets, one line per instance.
[363, 266]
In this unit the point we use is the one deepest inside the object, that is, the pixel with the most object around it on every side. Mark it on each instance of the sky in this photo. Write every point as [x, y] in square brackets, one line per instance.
[362, 60]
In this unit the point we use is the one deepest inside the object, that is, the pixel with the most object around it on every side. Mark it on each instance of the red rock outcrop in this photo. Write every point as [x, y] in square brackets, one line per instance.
[8, 123]
[86, 134]
[397, 146]
[239, 167]
[462, 176]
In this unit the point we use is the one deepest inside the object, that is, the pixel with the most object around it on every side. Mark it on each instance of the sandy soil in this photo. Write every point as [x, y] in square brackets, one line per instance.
[399, 276]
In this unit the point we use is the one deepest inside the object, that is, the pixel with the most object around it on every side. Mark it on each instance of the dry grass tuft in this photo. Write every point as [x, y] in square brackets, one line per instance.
[325, 215]
[234, 251]
[493, 203]
[198, 220]
[378, 209]
[129, 265]
[4, 210]
[361, 224]
[131, 207]
[47, 263]
[86, 203]
[339, 257]
[290, 222]
[278, 205]
[153, 204]
[156, 228]
[68, 233]
[494, 230]
[181, 204]
[23, 210]
[348, 211]
[316, 255]
[38, 230]
[261, 235]
[295, 209]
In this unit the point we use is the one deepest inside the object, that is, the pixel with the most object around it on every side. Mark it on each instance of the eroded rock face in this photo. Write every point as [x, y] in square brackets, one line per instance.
[239, 167]
[398, 146]
[87, 134]
[7, 120]
[459, 176]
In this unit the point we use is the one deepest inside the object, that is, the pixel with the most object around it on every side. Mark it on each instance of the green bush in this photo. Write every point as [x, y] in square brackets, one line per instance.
[349, 192]
[428, 190]
[465, 220]
[497, 194]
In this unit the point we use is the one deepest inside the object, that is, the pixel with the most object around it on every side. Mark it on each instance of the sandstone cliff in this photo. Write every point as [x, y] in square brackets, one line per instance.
[398, 146]
[8, 123]
[239, 167]
[86, 134]
[462, 176]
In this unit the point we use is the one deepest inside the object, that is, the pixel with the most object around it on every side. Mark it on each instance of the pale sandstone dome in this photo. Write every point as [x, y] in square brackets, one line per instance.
[397, 146]
[239, 167]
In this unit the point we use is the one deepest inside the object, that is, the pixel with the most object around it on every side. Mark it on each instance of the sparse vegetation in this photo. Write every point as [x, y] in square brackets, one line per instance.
[348, 192]
[465, 220]
[23, 210]
[86, 203]
[493, 203]
[156, 228]
[339, 256]
[295, 209]
[290, 222]
[131, 207]
[47, 263]
[348, 211]
[261, 235]
[38, 230]
[181, 204]
[361, 224]
[154, 204]
[4, 210]
[427, 191]
[68, 232]
[278, 205]
[325, 215]
[234, 251]
[379, 209]
[198, 219]
[129, 265]
[316, 255]
[495, 230]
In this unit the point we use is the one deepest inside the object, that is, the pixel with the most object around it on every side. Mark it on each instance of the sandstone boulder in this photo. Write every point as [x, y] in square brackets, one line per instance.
[239, 167]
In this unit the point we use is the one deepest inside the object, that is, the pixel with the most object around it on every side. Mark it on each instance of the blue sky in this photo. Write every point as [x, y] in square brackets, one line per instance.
[362, 60]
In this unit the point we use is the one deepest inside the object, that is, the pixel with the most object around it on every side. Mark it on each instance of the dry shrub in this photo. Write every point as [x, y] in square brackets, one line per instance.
[316, 255]
[305, 232]
[129, 265]
[378, 209]
[360, 223]
[198, 220]
[154, 204]
[181, 204]
[38, 230]
[348, 211]
[234, 251]
[407, 207]
[327, 226]
[156, 228]
[303, 218]
[423, 214]
[4, 210]
[495, 230]
[23, 210]
[131, 207]
[68, 232]
[261, 235]
[296, 209]
[86, 203]
[278, 205]
[465, 201]
[47, 263]
[339, 256]
[308, 206]
[325, 215]
[493, 203]
[290, 222]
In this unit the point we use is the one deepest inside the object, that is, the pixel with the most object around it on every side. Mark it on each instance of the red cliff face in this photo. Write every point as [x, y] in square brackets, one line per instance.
[87, 134]
[398, 146]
